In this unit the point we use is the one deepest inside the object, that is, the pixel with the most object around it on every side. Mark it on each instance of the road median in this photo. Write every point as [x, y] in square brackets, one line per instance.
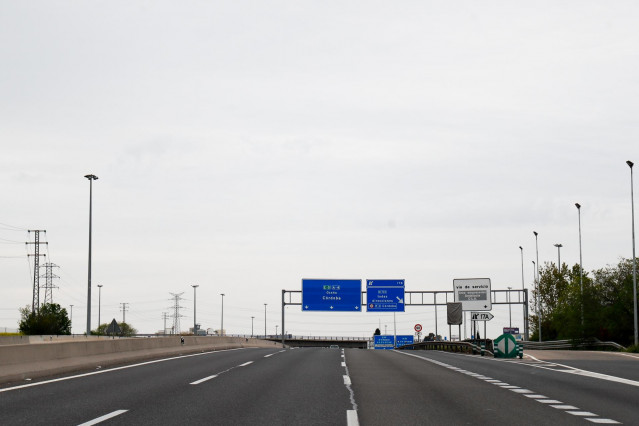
[30, 361]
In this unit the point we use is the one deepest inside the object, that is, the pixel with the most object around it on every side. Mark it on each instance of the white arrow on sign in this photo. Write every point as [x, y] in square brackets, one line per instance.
[481, 316]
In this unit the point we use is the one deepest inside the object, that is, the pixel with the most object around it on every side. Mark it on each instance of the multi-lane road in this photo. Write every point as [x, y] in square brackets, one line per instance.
[337, 387]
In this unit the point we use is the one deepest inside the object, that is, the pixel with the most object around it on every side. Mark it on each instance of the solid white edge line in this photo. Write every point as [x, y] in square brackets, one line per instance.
[61, 379]
[197, 382]
[351, 418]
[103, 418]
[347, 380]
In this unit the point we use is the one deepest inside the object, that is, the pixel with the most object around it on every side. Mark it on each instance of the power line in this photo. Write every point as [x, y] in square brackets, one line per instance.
[7, 227]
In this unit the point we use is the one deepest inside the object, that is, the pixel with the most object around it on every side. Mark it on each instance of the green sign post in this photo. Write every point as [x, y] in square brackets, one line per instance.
[505, 346]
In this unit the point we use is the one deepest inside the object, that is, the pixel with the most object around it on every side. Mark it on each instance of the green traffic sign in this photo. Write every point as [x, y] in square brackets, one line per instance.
[505, 346]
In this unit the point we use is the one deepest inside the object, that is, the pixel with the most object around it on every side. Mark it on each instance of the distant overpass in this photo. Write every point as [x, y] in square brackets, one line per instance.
[322, 341]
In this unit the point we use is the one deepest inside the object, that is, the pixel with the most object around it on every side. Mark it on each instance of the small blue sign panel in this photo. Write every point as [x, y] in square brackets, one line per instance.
[404, 340]
[384, 342]
[331, 295]
[384, 295]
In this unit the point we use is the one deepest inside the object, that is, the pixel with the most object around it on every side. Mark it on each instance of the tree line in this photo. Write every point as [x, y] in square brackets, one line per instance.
[52, 319]
[599, 304]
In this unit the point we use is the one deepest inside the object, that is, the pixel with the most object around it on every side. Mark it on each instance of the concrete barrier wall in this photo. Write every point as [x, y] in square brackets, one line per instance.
[30, 353]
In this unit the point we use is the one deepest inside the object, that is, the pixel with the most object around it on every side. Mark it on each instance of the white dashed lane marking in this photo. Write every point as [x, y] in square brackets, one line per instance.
[104, 418]
[570, 409]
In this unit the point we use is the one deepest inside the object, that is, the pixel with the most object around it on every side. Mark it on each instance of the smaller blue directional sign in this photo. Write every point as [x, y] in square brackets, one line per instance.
[384, 295]
[404, 340]
[331, 295]
[384, 342]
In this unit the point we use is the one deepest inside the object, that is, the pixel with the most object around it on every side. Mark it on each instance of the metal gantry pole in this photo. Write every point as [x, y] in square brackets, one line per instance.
[510, 316]
[283, 306]
[91, 179]
[435, 303]
[634, 257]
[265, 320]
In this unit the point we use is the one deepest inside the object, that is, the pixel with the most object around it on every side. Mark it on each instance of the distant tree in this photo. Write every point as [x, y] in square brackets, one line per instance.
[377, 332]
[50, 319]
[126, 330]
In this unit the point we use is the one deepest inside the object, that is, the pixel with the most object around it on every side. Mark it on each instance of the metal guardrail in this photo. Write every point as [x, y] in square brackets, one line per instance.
[322, 338]
[446, 346]
[572, 344]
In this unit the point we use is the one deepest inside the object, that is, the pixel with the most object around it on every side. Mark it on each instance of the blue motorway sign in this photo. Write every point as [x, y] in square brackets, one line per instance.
[404, 340]
[331, 295]
[385, 295]
[384, 342]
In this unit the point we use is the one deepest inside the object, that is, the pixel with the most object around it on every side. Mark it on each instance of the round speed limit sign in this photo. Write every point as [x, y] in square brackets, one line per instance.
[418, 327]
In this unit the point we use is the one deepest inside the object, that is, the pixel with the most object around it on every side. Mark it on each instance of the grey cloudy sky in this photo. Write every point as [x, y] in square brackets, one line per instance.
[243, 146]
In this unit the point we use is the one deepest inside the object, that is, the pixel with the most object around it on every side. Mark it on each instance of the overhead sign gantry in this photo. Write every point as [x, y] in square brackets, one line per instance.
[385, 296]
[331, 295]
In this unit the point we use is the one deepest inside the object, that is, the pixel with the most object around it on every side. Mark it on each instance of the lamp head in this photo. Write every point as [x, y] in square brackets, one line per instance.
[91, 177]
[535, 232]
[521, 248]
[630, 163]
[578, 206]
[558, 245]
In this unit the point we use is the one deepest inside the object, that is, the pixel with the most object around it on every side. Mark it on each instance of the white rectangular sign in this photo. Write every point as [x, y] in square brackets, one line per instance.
[481, 316]
[473, 293]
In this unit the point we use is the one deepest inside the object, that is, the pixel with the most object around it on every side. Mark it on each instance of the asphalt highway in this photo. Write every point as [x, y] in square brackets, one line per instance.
[321, 386]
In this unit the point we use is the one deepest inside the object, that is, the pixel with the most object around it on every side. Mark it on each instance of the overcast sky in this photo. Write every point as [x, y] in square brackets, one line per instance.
[245, 145]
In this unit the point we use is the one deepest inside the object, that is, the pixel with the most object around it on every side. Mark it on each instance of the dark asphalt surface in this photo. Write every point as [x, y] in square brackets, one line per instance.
[307, 387]
[301, 386]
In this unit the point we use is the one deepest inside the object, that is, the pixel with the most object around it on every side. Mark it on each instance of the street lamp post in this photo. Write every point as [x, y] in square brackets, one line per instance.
[71, 319]
[634, 257]
[195, 286]
[252, 318]
[276, 326]
[91, 179]
[222, 330]
[581, 269]
[265, 320]
[559, 246]
[538, 292]
[99, 305]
